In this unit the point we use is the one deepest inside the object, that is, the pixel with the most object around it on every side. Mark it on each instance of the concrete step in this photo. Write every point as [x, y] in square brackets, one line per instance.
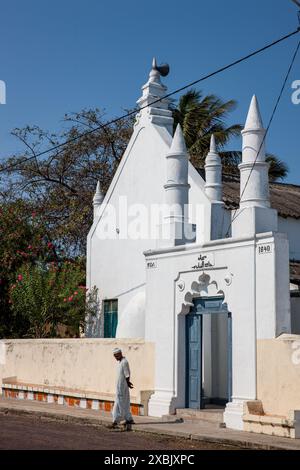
[212, 415]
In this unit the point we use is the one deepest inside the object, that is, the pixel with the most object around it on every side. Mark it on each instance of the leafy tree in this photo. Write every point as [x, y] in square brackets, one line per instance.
[60, 185]
[36, 278]
[200, 117]
[23, 239]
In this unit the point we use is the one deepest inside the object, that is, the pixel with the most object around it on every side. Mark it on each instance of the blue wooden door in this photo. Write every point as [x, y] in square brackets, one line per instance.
[194, 360]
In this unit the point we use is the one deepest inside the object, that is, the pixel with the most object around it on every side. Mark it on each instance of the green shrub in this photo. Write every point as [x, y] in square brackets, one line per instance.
[48, 295]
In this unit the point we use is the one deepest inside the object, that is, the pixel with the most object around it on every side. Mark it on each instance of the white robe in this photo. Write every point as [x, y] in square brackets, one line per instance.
[121, 409]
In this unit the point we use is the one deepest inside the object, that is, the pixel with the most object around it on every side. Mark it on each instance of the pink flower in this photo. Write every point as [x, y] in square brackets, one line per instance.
[29, 247]
[20, 277]
[71, 298]
[50, 245]
[65, 299]
[76, 293]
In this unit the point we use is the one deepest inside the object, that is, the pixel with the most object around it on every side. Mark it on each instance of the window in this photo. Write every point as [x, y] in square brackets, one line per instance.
[110, 318]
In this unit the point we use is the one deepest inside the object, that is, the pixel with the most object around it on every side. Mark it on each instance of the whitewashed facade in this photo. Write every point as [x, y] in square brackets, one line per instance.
[201, 282]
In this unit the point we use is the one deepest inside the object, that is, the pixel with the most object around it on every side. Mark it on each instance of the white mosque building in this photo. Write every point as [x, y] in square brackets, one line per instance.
[206, 270]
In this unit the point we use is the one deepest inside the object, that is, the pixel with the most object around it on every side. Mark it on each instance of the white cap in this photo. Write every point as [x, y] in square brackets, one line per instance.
[117, 350]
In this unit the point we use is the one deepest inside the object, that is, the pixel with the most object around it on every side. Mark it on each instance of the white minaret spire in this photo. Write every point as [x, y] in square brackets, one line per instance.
[257, 187]
[255, 214]
[177, 187]
[176, 229]
[97, 199]
[213, 173]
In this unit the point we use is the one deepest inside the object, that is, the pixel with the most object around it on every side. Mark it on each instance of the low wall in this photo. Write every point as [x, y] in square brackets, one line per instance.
[82, 364]
[278, 374]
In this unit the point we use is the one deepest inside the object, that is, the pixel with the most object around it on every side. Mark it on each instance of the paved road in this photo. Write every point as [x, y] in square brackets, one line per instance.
[30, 432]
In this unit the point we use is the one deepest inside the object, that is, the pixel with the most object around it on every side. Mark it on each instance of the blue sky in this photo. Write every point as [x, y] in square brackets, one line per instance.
[59, 56]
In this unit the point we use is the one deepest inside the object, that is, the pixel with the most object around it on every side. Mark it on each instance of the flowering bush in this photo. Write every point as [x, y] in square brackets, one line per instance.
[45, 296]
[23, 240]
[41, 293]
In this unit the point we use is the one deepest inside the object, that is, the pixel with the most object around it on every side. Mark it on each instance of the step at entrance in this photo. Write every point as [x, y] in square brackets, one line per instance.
[213, 415]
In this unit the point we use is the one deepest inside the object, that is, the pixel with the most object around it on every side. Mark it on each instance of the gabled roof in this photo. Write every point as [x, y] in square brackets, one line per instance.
[284, 197]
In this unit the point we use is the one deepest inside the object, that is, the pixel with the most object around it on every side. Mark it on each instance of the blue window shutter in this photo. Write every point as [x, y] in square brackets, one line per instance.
[110, 318]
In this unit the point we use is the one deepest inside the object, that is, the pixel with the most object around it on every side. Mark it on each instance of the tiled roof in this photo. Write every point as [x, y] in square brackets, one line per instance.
[284, 197]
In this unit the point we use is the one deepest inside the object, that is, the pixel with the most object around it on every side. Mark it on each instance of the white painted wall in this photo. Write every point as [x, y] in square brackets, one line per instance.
[117, 267]
[249, 286]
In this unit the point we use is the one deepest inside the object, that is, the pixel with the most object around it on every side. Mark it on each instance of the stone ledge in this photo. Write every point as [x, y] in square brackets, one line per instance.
[255, 420]
[268, 419]
[71, 397]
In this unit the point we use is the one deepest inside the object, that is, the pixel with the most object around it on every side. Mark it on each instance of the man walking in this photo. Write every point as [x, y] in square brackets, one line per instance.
[121, 409]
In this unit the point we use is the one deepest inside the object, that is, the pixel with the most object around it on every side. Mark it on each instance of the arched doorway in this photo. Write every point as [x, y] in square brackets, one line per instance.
[208, 353]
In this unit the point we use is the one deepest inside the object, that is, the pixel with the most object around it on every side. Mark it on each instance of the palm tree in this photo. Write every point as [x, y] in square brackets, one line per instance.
[200, 116]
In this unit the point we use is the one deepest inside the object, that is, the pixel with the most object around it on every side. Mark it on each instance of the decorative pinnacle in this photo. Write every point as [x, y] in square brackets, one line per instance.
[254, 120]
[162, 69]
[213, 147]
[178, 143]
[98, 197]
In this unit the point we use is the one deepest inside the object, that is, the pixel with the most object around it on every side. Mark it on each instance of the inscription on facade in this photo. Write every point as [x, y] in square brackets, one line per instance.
[204, 261]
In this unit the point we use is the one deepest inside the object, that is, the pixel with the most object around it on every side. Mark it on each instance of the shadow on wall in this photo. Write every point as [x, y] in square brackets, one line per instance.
[132, 320]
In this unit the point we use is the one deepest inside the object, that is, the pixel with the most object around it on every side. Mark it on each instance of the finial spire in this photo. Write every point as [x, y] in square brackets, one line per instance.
[178, 143]
[213, 147]
[98, 198]
[154, 75]
[254, 120]
[213, 172]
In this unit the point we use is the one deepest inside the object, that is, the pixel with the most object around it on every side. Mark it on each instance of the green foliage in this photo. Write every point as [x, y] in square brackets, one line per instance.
[23, 240]
[46, 296]
[200, 117]
[60, 186]
[39, 287]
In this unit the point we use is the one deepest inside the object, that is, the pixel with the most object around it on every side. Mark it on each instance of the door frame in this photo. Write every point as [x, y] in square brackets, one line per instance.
[200, 310]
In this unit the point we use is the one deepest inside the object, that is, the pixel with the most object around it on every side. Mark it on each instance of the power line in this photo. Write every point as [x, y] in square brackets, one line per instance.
[178, 90]
[236, 213]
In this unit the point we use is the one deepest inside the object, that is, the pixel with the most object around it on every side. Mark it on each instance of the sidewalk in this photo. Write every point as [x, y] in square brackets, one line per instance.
[204, 431]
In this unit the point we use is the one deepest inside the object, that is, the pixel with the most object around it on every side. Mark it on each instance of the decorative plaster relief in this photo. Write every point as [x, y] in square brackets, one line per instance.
[190, 288]
[228, 279]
